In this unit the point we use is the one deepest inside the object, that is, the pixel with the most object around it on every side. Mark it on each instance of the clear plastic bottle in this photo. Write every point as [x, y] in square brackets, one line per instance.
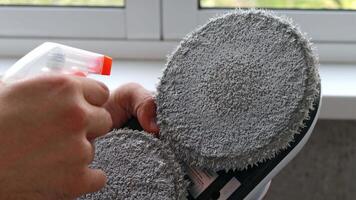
[57, 58]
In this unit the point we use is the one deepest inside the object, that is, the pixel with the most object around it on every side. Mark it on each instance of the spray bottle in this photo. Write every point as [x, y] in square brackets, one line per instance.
[57, 58]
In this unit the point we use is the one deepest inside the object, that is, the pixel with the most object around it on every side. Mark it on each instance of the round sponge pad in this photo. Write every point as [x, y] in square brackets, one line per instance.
[236, 90]
[138, 166]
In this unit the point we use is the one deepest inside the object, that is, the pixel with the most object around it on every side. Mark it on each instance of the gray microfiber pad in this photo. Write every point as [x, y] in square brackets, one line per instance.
[138, 166]
[236, 90]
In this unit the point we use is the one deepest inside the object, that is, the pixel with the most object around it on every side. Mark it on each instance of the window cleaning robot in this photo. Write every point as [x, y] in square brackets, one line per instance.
[288, 73]
[251, 183]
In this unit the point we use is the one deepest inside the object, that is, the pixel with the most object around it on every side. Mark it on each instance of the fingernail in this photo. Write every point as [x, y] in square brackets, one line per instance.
[154, 125]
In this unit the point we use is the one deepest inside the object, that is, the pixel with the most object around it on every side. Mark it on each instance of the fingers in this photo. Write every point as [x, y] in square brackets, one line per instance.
[144, 108]
[95, 179]
[146, 115]
[85, 180]
[99, 122]
[99, 119]
[132, 100]
[88, 181]
[120, 112]
[87, 151]
[95, 92]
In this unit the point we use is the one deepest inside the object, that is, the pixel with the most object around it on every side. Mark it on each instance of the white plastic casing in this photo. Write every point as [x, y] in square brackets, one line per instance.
[57, 58]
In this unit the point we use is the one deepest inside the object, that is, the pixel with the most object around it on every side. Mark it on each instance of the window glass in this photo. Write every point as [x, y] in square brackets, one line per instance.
[100, 3]
[281, 4]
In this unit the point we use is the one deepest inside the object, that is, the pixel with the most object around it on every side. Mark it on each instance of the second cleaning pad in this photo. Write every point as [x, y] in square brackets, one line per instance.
[138, 166]
[236, 90]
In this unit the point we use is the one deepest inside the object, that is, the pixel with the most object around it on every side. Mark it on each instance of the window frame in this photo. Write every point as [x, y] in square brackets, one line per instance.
[115, 31]
[133, 21]
[334, 41]
[152, 29]
[61, 22]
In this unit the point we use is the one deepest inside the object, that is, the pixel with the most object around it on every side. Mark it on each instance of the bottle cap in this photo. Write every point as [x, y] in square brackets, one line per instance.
[107, 63]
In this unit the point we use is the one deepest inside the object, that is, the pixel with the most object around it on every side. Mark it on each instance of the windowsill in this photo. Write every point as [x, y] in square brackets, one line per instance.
[338, 83]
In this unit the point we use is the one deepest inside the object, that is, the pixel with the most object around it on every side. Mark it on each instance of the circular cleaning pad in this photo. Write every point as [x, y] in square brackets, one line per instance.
[236, 90]
[138, 166]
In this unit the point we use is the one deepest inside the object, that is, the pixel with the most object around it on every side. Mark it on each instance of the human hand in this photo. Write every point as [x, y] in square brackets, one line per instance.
[132, 100]
[46, 125]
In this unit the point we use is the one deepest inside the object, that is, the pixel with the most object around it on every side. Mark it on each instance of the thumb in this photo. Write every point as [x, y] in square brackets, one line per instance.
[132, 100]
[145, 111]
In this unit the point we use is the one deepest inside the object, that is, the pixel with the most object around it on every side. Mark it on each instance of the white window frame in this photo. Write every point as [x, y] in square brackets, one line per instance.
[120, 32]
[62, 22]
[151, 29]
[335, 41]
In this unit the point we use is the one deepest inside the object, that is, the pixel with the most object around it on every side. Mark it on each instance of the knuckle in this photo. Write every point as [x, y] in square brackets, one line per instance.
[103, 124]
[85, 151]
[108, 121]
[73, 186]
[95, 180]
[106, 91]
[66, 84]
[77, 117]
[132, 85]
[63, 83]
[83, 181]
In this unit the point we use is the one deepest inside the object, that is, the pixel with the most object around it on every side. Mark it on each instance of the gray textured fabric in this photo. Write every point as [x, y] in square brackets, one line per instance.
[236, 90]
[138, 166]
